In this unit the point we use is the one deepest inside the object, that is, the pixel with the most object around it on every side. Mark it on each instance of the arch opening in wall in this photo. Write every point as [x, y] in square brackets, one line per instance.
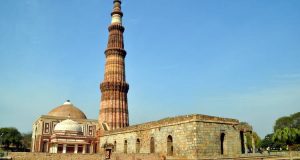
[222, 138]
[138, 145]
[115, 146]
[125, 146]
[60, 148]
[152, 145]
[242, 142]
[70, 148]
[170, 146]
[45, 146]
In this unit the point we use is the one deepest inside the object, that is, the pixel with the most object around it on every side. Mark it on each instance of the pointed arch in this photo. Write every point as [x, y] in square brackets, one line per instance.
[152, 145]
[170, 145]
[138, 145]
[115, 146]
[222, 138]
[125, 146]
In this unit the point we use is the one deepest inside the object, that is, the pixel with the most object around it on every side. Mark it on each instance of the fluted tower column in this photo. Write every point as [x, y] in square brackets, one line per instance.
[113, 106]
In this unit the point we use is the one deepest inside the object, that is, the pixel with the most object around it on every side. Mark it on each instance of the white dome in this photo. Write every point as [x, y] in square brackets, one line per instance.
[68, 125]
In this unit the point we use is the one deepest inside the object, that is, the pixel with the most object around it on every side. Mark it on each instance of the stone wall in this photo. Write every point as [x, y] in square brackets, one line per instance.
[48, 156]
[182, 136]
[208, 139]
[193, 137]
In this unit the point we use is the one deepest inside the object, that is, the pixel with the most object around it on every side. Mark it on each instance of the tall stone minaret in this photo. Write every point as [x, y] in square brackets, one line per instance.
[113, 106]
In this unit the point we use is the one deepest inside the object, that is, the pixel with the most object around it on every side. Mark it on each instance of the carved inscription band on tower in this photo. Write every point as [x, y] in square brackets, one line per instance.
[114, 89]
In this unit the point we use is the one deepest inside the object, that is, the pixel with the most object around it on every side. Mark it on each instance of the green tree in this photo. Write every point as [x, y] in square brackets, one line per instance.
[257, 140]
[296, 120]
[267, 141]
[26, 140]
[10, 136]
[286, 135]
[292, 121]
[283, 122]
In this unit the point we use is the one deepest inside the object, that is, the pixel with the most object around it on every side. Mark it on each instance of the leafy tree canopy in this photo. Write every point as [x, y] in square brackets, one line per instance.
[286, 135]
[10, 136]
[292, 121]
[282, 123]
[26, 140]
[296, 120]
[256, 138]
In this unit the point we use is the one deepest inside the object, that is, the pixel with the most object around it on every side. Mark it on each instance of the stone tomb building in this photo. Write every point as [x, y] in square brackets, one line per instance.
[68, 138]
[188, 137]
[64, 126]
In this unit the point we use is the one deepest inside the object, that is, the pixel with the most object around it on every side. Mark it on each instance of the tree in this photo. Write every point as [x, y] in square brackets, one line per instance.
[296, 120]
[256, 138]
[26, 140]
[286, 135]
[10, 136]
[292, 121]
[283, 122]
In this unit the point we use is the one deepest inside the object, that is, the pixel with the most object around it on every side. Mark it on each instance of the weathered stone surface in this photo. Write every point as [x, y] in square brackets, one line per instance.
[48, 156]
[193, 136]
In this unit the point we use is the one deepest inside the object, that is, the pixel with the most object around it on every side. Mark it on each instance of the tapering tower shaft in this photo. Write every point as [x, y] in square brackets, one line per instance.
[114, 89]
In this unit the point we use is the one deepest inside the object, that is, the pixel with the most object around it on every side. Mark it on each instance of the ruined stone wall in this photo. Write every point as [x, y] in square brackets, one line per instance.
[182, 135]
[48, 156]
[191, 139]
[208, 139]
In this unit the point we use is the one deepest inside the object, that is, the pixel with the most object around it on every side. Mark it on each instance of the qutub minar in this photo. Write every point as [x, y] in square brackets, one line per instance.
[114, 106]
[65, 129]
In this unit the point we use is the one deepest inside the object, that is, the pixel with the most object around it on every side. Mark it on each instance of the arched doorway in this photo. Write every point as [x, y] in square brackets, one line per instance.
[222, 138]
[125, 146]
[115, 146]
[45, 146]
[152, 145]
[242, 142]
[138, 146]
[169, 145]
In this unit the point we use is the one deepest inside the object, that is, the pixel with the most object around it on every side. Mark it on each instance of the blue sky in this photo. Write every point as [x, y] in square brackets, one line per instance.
[229, 58]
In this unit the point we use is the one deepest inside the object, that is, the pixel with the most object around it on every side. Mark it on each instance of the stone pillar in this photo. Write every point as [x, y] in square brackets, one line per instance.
[76, 148]
[253, 143]
[52, 148]
[64, 148]
[91, 148]
[55, 148]
[245, 143]
[83, 149]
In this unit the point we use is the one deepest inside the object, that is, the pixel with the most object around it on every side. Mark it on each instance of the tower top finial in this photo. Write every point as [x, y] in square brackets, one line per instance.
[117, 13]
[68, 102]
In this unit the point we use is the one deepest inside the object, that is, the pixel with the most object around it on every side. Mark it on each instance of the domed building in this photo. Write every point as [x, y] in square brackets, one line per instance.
[65, 129]
[68, 137]
[66, 110]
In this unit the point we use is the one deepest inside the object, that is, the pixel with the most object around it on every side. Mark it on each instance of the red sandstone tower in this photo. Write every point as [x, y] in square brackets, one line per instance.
[114, 89]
